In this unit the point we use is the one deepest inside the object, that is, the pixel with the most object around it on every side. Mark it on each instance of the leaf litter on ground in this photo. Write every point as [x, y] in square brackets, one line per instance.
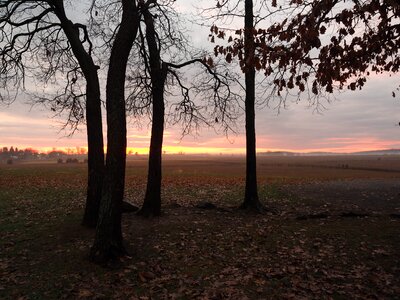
[192, 253]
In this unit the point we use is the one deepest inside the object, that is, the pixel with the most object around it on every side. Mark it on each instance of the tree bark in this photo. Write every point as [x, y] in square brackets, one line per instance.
[251, 200]
[152, 201]
[93, 117]
[158, 70]
[95, 153]
[108, 243]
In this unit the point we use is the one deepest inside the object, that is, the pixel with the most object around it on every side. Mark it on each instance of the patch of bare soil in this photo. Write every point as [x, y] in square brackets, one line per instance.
[351, 197]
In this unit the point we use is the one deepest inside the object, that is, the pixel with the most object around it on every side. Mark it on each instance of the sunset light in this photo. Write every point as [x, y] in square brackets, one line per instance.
[334, 145]
[199, 149]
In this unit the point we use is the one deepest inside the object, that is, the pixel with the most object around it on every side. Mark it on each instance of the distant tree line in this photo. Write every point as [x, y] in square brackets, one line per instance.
[19, 154]
[16, 154]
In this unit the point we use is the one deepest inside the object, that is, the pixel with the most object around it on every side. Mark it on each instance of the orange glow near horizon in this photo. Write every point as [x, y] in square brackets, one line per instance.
[342, 145]
[138, 143]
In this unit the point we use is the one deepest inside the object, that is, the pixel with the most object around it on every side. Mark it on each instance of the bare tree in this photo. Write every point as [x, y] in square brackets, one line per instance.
[251, 199]
[39, 34]
[233, 9]
[108, 243]
[158, 76]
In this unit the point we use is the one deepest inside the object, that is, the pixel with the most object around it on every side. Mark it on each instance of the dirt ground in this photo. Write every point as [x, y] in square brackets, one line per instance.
[336, 239]
[363, 196]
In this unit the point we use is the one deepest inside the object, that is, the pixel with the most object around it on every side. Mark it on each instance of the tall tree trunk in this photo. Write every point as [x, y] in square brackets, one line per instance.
[152, 200]
[158, 70]
[108, 243]
[251, 200]
[95, 152]
[93, 117]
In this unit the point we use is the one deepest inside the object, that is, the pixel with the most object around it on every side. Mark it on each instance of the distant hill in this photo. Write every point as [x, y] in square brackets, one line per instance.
[278, 153]
[371, 152]
[379, 152]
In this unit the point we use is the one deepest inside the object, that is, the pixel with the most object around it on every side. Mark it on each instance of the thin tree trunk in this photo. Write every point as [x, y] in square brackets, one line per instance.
[158, 70]
[95, 153]
[251, 200]
[93, 117]
[108, 243]
[152, 201]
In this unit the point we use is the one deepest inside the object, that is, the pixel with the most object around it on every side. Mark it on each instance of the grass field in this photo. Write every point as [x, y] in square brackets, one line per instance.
[332, 231]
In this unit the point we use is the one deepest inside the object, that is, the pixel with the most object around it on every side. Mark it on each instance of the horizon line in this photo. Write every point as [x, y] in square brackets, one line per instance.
[185, 150]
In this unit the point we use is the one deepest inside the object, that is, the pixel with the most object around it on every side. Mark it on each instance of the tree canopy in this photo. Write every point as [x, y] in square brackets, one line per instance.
[319, 46]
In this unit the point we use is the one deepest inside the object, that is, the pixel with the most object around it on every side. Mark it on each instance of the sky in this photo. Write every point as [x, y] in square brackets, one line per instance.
[352, 121]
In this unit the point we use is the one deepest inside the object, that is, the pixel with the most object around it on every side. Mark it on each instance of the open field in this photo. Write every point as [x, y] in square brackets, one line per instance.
[333, 231]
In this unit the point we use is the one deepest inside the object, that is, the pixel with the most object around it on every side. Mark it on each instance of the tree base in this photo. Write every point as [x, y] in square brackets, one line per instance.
[126, 207]
[89, 223]
[254, 206]
[151, 207]
[148, 212]
[104, 254]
